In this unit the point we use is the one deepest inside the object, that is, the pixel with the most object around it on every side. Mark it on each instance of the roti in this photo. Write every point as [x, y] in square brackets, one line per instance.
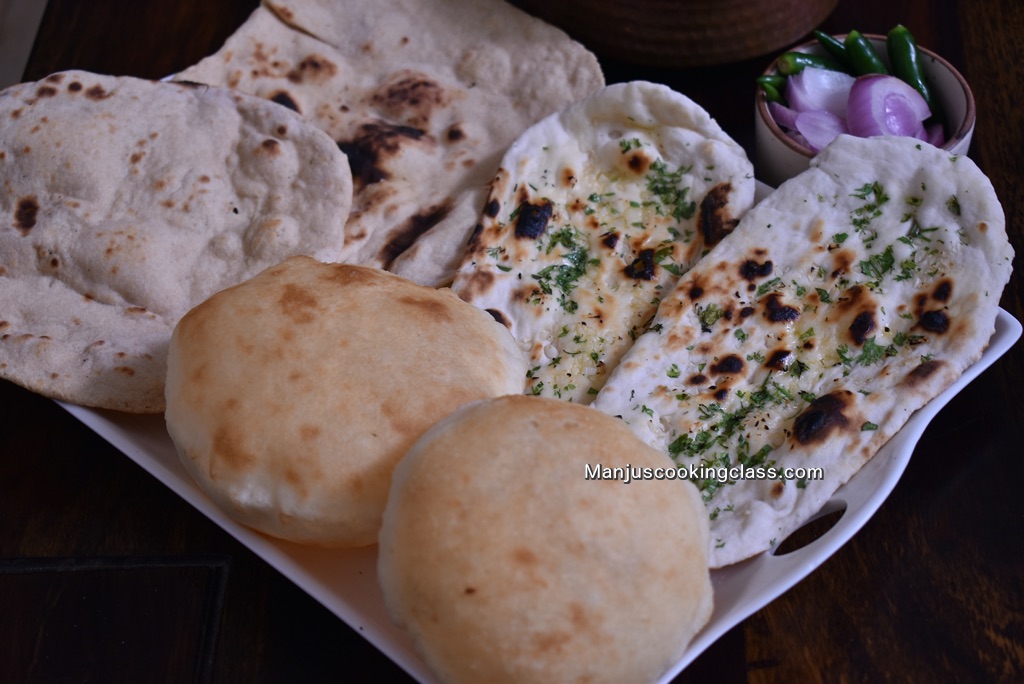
[422, 96]
[842, 303]
[593, 215]
[125, 202]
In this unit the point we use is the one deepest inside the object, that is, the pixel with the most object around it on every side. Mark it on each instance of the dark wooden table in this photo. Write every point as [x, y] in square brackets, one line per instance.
[105, 575]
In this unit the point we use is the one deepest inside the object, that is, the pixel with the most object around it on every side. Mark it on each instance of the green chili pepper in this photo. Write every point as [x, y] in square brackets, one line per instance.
[794, 62]
[862, 55]
[834, 47]
[771, 92]
[777, 81]
[906, 61]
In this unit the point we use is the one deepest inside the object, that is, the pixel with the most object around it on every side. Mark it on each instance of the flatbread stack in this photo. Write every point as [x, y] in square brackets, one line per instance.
[422, 96]
[842, 303]
[126, 202]
[593, 215]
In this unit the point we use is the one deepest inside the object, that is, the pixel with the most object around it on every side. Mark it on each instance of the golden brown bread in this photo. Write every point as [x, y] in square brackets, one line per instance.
[291, 397]
[506, 563]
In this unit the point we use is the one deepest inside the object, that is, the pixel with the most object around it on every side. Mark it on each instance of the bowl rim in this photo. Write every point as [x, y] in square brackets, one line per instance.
[962, 131]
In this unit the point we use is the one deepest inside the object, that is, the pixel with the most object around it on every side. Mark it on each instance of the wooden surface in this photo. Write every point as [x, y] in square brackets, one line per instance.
[105, 575]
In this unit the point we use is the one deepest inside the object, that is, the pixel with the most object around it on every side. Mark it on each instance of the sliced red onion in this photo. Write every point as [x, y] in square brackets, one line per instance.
[783, 115]
[819, 128]
[884, 105]
[814, 89]
[934, 134]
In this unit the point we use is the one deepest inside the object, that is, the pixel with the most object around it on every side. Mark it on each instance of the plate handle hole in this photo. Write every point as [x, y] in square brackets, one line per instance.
[812, 530]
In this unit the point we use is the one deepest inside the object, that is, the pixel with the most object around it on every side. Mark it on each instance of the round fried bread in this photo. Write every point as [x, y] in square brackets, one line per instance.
[291, 396]
[510, 554]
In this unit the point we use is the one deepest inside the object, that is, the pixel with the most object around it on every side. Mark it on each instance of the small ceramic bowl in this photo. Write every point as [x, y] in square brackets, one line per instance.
[779, 157]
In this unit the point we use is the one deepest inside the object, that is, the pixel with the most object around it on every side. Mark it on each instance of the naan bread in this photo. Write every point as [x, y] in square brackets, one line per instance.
[126, 202]
[506, 564]
[423, 96]
[594, 214]
[842, 303]
[291, 397]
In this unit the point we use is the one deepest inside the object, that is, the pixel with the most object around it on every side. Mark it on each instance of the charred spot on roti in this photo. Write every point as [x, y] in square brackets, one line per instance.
[26, 213]
[751, 270]
[97, 92]
[532, 219]
[455, 134]
[747, 311]
[313, 68]
[715, 219]
[491, 209]
[822, 417]
[862, 327]
[696, 292]
[373, 144]
[697, 379]
[778, 312]
[412, 97]
[642, 268]
[934, 321]
[270, 146]
[414, 226]
[610, 239]
[282, 98]
[46, 91]
[842, 261]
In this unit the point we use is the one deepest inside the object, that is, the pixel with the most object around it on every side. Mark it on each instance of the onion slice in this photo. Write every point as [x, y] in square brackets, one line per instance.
[819, 128]
[783, 115]
[819, 89]
[884, 105]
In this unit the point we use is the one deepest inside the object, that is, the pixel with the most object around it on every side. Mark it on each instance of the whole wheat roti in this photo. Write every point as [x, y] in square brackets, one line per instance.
[124, 203]
[846, 300]
[422, 95]
[593, 215]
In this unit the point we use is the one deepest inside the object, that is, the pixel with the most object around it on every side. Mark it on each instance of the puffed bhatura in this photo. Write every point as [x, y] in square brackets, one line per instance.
[507, 559]
[291, 396]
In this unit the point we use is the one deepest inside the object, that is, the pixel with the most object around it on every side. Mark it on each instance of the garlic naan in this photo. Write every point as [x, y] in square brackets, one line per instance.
[593, 215]
[842, 303]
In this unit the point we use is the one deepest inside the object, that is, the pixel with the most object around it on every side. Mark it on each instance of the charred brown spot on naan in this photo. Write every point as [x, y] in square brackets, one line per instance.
[500, 317]
[777, 311]
[374, 144]
[97, 92]
[822, 417]
[716, 219]
[643, 267]
[728, 365]
[491, 209]
[943, 290]
[864, 324]
[46, 91]
[415, 226]
[778, 360]
[532, 219]
[638, 162]
[934, 321]
[568, 180]
[922, 373]
[752, 270]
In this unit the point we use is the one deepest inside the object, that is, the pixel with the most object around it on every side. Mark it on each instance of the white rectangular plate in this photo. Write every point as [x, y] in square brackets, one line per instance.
[346, 581]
